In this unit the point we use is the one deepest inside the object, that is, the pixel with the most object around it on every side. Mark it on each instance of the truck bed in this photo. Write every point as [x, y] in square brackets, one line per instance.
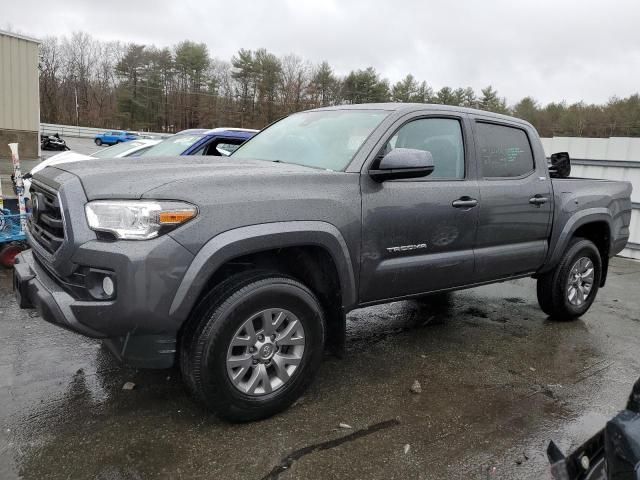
[575, 197]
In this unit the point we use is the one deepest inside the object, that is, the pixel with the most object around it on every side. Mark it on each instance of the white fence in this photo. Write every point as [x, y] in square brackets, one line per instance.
[83, 132]
[615, 158]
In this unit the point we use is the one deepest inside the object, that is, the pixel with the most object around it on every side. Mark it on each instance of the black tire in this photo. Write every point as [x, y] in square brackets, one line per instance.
[552, 286]
[98, 142]
[205, 341]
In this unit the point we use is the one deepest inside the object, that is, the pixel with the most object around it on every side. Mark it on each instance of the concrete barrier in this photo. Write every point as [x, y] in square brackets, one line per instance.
[85, 132]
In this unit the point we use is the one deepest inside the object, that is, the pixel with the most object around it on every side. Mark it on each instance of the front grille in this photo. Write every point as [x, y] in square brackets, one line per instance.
[45, 223]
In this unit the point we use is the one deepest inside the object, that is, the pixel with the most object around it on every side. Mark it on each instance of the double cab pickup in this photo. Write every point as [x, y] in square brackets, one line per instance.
[241, 270]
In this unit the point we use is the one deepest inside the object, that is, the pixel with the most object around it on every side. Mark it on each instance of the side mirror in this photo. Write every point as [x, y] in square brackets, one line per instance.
[560, 165]
[403, 163]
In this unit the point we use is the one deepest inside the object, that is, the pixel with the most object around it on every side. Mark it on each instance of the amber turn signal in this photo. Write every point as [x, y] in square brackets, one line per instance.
[175, 217]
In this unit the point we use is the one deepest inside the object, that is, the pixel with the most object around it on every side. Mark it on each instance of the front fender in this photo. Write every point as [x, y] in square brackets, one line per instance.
[578, 219]
[255, 238]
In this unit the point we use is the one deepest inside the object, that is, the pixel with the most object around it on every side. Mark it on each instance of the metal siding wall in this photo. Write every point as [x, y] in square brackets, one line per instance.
[619, 149]
[5, 72]
[19, 96]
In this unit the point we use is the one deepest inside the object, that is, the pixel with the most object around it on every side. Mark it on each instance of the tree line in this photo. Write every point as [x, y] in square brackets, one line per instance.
[103, 84]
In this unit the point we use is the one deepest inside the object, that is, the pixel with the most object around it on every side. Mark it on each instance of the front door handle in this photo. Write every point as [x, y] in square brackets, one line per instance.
[464, 202]
[538, 200]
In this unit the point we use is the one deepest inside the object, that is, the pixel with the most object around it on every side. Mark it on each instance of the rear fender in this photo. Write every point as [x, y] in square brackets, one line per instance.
[583, 217]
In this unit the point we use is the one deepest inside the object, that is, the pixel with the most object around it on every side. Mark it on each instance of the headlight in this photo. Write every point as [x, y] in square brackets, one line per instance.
[137, 219]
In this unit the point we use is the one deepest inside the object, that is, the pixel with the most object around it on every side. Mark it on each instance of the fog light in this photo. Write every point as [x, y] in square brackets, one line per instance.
[107, 286]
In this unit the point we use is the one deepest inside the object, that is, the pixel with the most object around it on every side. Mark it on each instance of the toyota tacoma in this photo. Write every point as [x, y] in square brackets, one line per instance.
[241, 270]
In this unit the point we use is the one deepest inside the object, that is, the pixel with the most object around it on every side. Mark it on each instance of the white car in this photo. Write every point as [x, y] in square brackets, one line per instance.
[132, 148]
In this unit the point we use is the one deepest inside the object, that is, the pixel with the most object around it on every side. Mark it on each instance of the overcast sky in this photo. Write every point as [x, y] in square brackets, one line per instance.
[552, 50]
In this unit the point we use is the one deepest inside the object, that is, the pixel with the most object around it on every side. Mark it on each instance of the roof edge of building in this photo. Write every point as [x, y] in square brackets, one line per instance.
[20, 36]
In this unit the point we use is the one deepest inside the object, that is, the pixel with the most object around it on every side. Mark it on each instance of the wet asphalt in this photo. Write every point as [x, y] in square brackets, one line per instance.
[498, 381]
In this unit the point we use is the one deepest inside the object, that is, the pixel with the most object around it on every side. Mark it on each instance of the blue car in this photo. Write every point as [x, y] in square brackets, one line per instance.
[219, 142]
[114, 136]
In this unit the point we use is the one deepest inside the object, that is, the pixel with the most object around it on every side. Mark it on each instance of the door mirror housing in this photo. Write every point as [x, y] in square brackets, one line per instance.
[403, 163]
[560, 165]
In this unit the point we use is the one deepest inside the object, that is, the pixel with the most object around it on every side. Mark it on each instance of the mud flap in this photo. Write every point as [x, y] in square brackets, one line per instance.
[21, 276]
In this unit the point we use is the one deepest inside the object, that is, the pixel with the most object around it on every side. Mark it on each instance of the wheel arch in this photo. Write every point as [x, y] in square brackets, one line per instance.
[239, 243]
[594, 224]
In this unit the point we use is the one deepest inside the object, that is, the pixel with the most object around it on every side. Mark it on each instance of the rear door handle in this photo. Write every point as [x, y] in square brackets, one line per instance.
[464, 202]
[538, 200]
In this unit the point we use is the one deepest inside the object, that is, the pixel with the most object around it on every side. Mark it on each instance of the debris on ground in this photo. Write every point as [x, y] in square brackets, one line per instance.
[520, 461]
[129, 386]
[345, 425]
[532, 369]
[416, 387]
[407, 447]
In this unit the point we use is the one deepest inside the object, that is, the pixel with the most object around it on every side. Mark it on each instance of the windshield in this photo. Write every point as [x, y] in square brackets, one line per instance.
[323, 139]
[173, 145]
[116, 150]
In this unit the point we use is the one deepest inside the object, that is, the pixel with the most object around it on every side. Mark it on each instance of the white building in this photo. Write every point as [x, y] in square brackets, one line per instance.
[19, 94]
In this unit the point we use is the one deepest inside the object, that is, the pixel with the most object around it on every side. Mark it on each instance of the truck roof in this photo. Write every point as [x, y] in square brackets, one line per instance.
[411, 107]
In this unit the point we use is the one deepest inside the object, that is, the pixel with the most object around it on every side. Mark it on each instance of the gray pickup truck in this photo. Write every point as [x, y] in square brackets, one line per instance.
[241, 270]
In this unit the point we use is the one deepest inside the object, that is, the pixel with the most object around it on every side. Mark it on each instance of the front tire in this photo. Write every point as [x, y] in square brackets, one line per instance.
[253, 345]
[98, 142]
[568, 291]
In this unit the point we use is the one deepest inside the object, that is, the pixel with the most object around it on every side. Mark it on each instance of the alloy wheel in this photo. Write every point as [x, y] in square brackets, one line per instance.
[265, 351]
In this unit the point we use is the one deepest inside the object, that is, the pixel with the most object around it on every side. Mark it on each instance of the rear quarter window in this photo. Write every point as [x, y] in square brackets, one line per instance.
[504, 152]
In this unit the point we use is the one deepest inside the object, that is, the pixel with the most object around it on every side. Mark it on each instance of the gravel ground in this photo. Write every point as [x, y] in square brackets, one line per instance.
[498, 381]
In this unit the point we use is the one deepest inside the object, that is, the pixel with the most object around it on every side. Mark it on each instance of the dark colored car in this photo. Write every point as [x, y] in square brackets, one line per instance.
[242, 270]
[114, 136]
[200, 141]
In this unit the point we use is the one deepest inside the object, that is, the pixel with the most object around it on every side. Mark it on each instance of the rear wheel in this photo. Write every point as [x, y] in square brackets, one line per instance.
[98, 142]
[253, 345]
[568, 291]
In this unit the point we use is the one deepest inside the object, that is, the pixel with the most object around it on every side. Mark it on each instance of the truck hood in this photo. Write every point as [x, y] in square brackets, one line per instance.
[133, 177]
[64, 157]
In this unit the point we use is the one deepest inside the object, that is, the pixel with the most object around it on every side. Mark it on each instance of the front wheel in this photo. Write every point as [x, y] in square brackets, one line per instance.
[568, 291]
[253, 345]
[98, 142]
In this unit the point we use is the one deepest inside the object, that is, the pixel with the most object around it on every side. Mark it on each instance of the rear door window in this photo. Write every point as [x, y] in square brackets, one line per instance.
[504, 152]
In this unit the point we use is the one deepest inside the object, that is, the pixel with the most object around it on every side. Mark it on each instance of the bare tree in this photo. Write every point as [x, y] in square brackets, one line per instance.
[294, 82]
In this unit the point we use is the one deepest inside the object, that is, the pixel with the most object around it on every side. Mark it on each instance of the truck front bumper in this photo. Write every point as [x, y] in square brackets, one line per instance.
[34, 288]
[139, 333]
